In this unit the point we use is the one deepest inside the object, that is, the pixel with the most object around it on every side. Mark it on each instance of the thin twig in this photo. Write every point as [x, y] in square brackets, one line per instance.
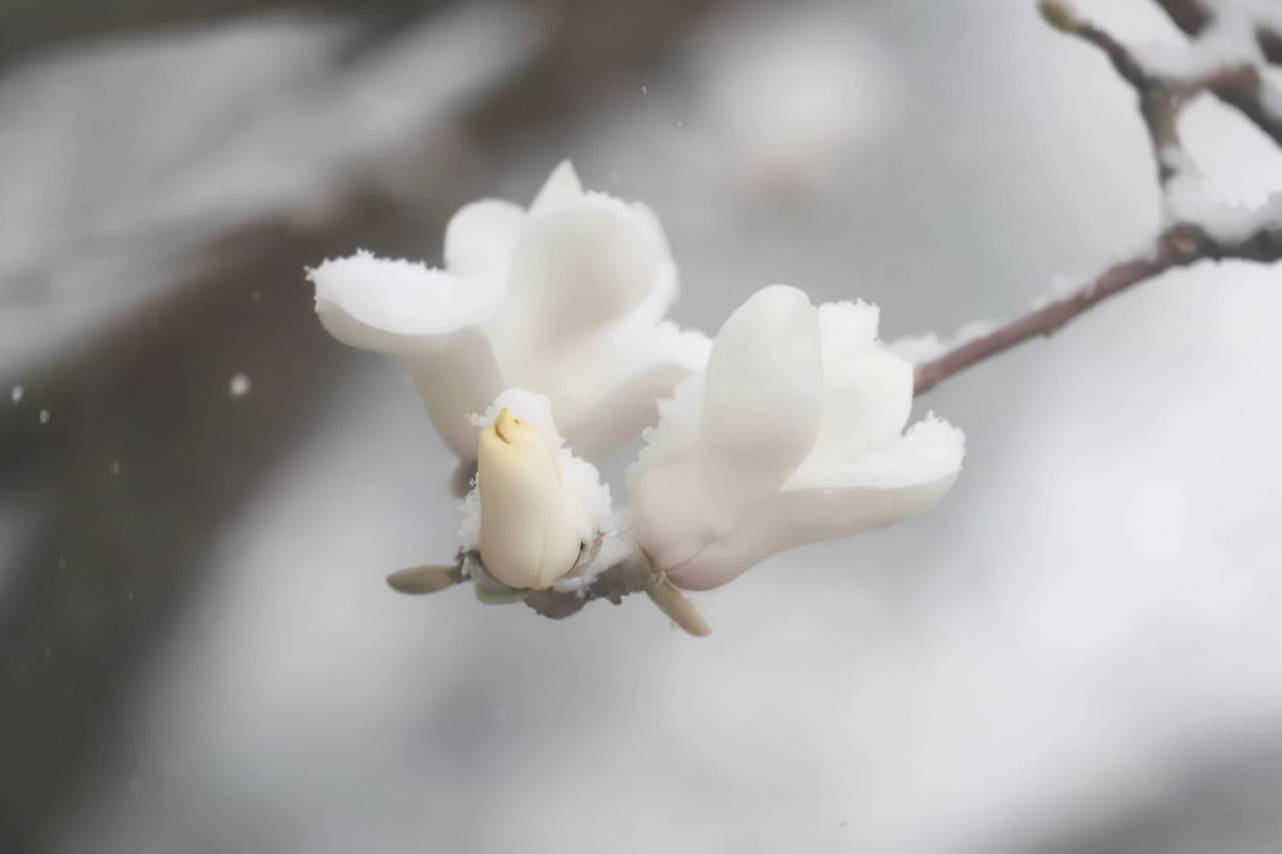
[1162, 97]
[1161, 100]
[1193, 17]
[1179, 246]
[1245, 89]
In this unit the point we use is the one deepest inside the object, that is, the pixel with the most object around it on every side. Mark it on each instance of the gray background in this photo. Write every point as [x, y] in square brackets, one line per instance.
[1075, 652]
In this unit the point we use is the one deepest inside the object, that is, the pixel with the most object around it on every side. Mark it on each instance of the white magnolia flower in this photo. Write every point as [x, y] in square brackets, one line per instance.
[535, 505]
[794, 433]
[566, 298]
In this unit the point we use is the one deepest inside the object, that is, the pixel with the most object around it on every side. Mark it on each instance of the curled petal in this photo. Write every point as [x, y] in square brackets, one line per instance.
[393, 306]
[868, 391]
[574, 270]
[904, 479]
[650, 221]
[758, 414]
[480, 237]
[459, 377]
[764, 395]
[567, 298]
[426, 317]
[631, 402]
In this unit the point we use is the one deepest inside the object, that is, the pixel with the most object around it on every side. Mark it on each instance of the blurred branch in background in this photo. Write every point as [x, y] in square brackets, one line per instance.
[145, 266]
[1200, 229]
[30, 27]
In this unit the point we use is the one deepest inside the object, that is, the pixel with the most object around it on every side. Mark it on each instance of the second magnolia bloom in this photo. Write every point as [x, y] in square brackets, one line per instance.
[794, 433]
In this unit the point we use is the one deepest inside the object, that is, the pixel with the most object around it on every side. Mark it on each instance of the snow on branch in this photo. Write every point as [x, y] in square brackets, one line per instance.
[1198, 227]
[1193, 17]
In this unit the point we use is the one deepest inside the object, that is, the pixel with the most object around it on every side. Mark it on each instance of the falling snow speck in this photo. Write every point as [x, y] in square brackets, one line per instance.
[16, 394]
[115, 466]
[239, 385]
[44, 416]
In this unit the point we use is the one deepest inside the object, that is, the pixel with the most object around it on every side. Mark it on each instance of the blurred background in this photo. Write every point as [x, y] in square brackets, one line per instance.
[201, 492]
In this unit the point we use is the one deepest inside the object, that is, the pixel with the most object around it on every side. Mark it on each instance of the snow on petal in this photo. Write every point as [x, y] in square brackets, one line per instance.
[706, 506]
[392, 305]
[868, 390]
[905, 479]
[580, 475]
[759, 406]
[567, 299]
[672, 356]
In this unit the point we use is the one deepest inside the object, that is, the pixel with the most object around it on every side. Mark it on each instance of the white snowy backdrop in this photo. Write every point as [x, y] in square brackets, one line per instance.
[1076, 652]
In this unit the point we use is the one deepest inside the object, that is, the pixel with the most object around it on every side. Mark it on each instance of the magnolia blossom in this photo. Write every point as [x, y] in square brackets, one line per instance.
[793, 433]
[535, 506]
[565, 298]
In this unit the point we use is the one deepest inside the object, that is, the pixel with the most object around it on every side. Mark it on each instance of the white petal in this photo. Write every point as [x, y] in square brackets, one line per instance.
[481, 236]
[868, 391]
[574, 270]
[631, 403]
[760, 407]
[663, 293]
[651, 221]
[560, 189]
[426, 317]
[905, 479]
[764, 394]
[459, 377]
[393, 306]
[680, 417]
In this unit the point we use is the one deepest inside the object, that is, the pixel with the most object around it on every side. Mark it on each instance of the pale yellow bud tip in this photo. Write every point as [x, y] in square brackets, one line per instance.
[505, 426]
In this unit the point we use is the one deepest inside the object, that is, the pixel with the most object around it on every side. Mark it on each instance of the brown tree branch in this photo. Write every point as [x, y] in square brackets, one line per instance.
[1192, 17]
[1270, 42]
[1178, 246]
[1161, 101]
[1162, 97]
[1189, 15]
[1243, 88]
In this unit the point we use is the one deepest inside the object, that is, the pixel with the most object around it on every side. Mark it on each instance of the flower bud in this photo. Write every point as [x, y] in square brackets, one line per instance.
[532, 526]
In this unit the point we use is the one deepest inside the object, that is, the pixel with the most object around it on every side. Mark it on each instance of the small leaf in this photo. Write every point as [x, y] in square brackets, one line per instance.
[417, 580]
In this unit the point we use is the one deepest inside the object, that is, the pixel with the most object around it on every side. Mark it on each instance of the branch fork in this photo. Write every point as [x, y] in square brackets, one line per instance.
[1161, 101]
